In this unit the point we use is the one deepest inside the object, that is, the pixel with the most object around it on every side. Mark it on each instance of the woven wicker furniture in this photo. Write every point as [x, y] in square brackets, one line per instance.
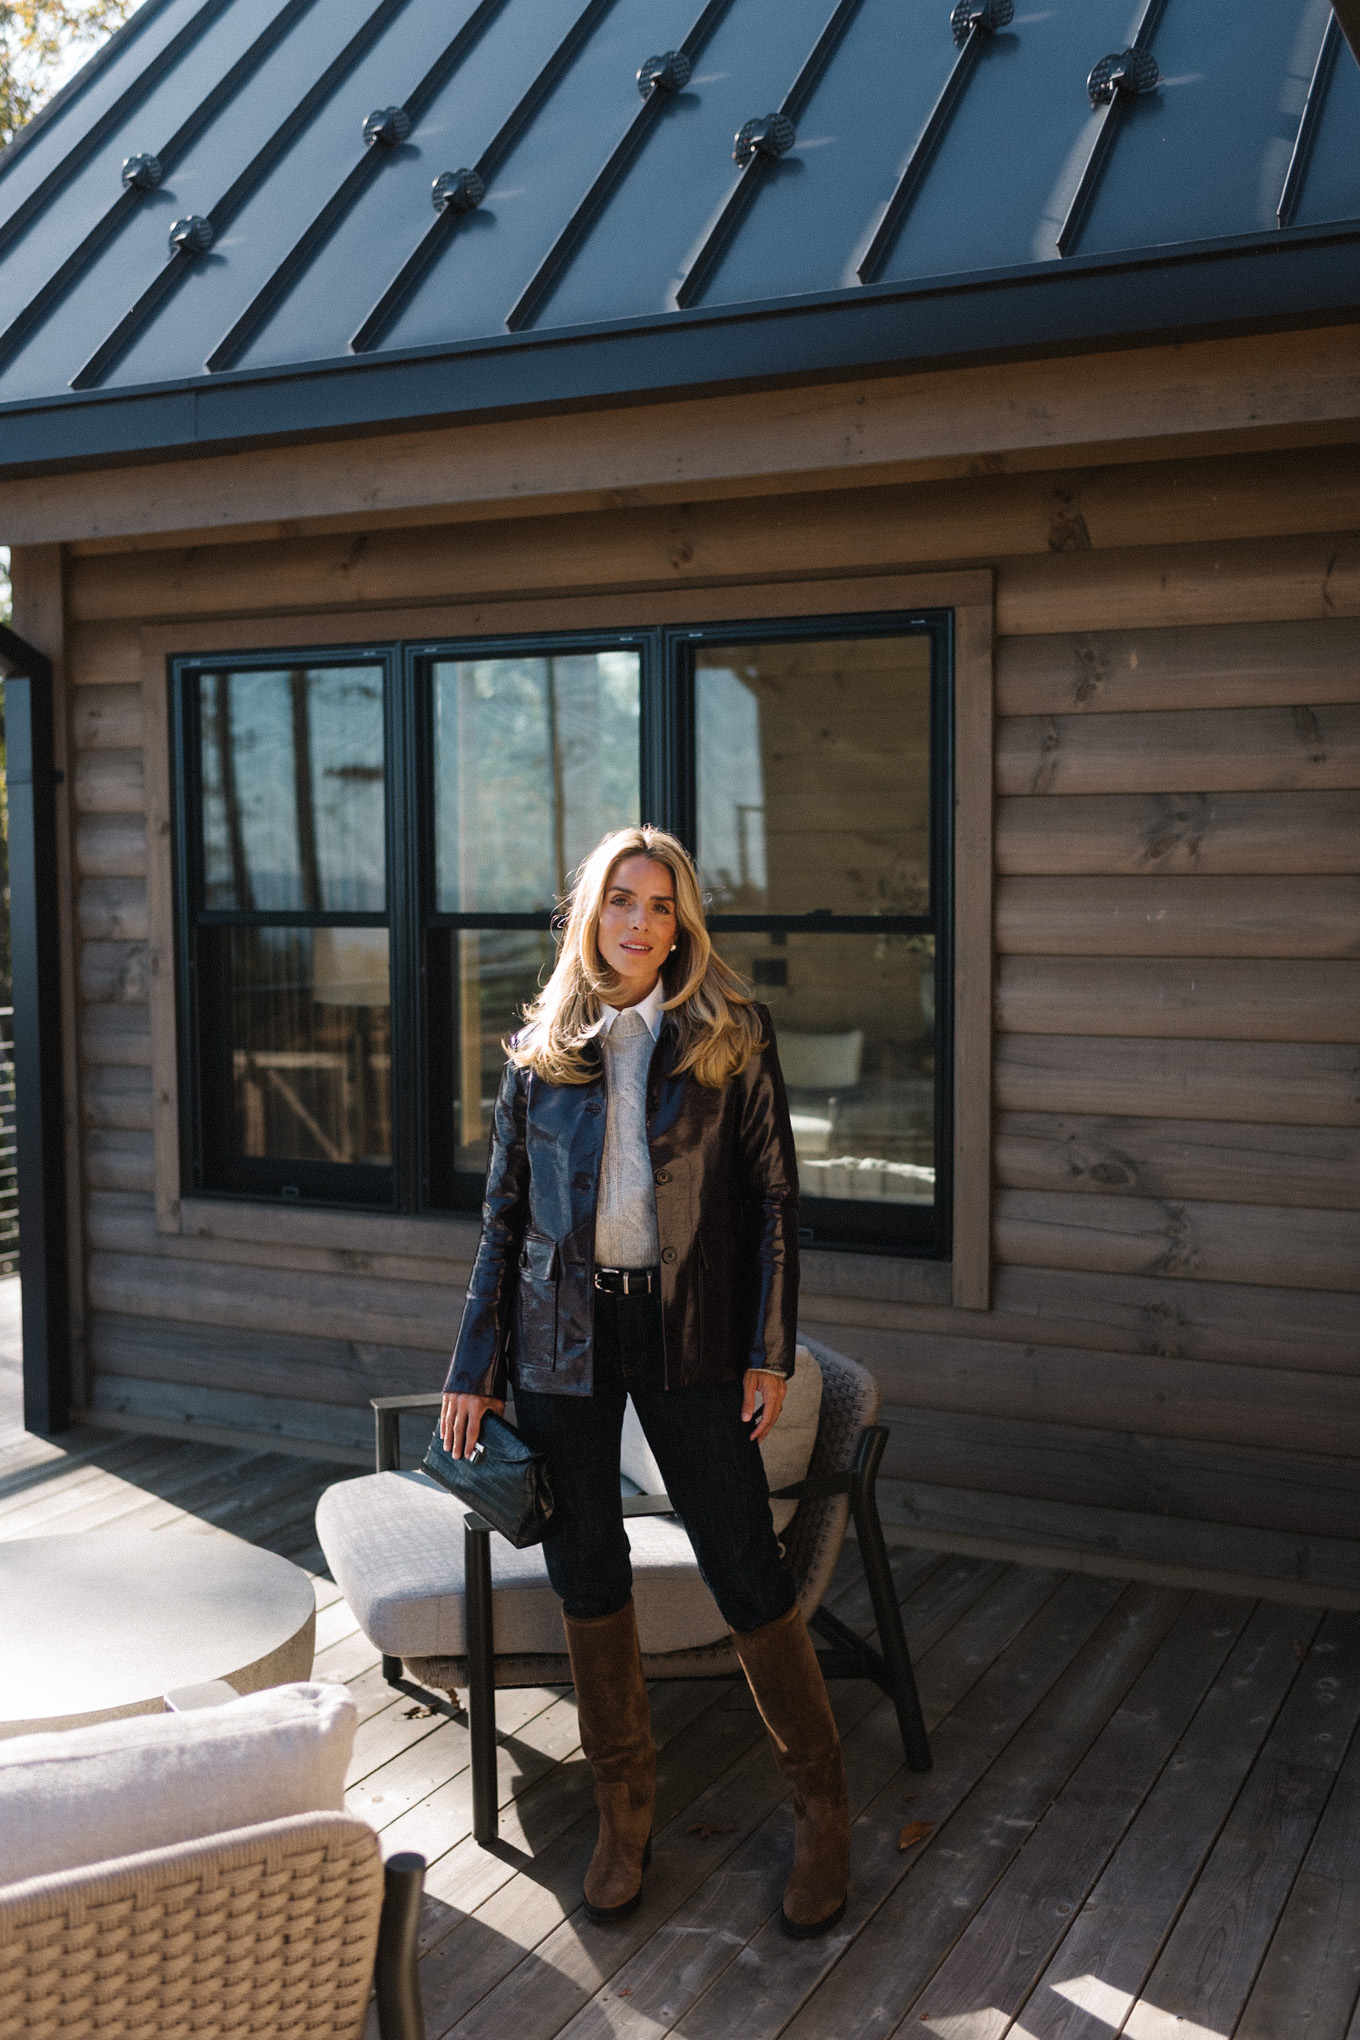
[232, 1896]
[839, 1485]
[106, 1622]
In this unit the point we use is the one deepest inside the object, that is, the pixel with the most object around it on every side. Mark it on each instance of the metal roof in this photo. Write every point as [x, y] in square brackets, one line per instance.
[286, 216]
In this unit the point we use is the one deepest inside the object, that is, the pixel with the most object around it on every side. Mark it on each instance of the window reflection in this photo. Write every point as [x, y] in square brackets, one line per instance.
[814, 775]
[494, 975]
[854, 1017]
[309, 1043]
[535, 758]
[292, 789]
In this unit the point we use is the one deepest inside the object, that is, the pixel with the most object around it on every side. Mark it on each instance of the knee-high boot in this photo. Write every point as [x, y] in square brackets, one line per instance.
[616, 1735]
[786, 1680]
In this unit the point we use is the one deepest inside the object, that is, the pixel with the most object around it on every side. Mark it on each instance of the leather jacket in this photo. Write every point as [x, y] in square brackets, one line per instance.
[726, 1211]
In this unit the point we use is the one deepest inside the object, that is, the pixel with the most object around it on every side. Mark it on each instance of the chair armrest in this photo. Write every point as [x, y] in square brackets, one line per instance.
[387, 1411]
[816, 1488]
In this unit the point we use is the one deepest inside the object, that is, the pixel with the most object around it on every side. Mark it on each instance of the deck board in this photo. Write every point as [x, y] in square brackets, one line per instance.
[1144, 1808]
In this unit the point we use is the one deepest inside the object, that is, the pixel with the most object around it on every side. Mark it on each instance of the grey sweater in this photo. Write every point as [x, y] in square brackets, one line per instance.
[625, 1219]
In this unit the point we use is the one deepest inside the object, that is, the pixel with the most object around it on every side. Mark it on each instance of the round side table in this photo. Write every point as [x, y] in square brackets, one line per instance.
[103, 1623]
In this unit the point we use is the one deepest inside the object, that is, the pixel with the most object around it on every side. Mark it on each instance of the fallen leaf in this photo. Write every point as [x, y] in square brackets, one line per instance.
[417, 1713]
[704, 1828]
[627, 1990]
[915, 1831]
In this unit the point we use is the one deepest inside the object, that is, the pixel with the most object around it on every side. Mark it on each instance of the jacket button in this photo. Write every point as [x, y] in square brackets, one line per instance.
[663, 1175]
[668, 1255]
[593, 1108]
[580, 1182]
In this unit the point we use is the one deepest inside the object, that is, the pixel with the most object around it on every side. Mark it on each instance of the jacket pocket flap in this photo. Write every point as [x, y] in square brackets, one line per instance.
[538, 1258]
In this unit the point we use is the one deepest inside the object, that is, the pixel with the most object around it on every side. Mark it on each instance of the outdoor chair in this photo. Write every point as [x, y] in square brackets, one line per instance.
[238, 1923]
[455, 1612]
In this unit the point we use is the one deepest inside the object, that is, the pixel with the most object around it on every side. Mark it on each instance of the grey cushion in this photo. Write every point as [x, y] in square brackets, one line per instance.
[786, 1451]
[394, 1542]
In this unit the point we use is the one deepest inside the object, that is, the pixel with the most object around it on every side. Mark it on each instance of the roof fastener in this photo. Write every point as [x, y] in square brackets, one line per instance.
[142, 173]
[388, 125]
[670, 72]
[457, 191]
[984, 17]
[1127, 72]
[773, 134]
[193, 235]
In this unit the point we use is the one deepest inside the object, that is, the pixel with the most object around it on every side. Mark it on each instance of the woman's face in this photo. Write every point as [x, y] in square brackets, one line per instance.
[637, 924]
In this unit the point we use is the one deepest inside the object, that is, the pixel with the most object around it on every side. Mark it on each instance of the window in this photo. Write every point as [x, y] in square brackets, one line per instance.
[371, 846]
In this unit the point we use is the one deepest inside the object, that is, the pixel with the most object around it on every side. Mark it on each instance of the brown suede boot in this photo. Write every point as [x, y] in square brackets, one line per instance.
[616, 1735]
[786, 1680]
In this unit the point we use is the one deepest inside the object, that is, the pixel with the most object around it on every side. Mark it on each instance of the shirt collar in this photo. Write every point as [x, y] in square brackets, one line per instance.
[651, 1009]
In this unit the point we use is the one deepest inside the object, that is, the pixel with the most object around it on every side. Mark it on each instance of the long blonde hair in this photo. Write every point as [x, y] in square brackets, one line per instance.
[714, 1015]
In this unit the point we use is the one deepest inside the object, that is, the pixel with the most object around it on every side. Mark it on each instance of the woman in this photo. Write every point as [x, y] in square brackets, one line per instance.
[640, 1237]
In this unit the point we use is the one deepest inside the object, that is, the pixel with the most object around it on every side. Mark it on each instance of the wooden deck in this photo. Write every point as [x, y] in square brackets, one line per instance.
[1144, 1815]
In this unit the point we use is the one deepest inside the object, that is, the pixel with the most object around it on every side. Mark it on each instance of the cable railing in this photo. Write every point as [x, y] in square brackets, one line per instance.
[9, 1169]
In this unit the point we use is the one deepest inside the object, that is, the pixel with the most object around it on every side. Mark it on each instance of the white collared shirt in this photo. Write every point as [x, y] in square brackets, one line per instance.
[651, 1009]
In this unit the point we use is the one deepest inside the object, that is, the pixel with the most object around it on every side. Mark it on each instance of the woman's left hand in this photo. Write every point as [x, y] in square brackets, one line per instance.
[769, 1389]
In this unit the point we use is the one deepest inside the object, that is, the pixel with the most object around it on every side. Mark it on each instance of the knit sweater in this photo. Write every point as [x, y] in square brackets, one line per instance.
[625, 1219]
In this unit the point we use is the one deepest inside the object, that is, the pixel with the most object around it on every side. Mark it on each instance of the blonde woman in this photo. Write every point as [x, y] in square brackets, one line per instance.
[640, 1237]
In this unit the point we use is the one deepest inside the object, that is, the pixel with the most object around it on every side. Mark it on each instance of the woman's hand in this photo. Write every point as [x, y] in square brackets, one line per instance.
[460, 1419]
[770, 1389]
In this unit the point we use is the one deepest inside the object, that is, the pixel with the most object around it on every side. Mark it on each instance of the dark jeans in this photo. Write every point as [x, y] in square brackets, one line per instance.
[714, 1475]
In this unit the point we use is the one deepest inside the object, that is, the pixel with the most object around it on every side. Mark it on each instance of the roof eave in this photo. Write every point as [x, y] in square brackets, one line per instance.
[1297, 278]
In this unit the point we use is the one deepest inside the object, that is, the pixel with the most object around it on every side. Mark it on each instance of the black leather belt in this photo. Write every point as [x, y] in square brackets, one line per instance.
[629, 1281]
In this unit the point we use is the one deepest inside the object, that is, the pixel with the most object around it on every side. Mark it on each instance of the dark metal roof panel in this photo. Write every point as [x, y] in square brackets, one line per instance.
[1330, 188]
[108, 90]
[1207, 152]
[911, 151]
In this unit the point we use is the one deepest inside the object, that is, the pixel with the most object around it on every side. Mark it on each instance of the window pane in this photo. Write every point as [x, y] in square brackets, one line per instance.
[292, 766]
[855, 1021]
[309, 1043]
[814, 775]
[494, 975]
[535, 758]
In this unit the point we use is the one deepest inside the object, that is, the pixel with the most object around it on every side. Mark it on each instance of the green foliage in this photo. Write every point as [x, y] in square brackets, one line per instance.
[6, 592]
[39, 39]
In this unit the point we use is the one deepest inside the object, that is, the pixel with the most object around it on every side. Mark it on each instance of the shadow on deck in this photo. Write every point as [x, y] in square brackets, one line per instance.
[1144, 1815]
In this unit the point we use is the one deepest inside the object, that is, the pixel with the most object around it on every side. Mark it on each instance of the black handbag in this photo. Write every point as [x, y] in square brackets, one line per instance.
[503, 1481]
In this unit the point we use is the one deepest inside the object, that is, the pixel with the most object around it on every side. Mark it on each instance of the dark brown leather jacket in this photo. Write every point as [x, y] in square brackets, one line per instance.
[726, 1213]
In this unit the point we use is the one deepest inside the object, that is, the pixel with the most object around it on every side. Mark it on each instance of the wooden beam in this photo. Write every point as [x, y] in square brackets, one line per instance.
[973, 864]
[1219, 665]
[1214, 999]
[1287, 1248]
[1178, 915]
[1214, 1160]
[38, 575]
[1282, 1083]
[1210, 750]
[1127, 834]
[1193, 398]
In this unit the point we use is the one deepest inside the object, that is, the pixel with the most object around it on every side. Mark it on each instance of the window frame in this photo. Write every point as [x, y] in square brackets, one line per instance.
[331, 1185]
[667, 794]
[873, 1226]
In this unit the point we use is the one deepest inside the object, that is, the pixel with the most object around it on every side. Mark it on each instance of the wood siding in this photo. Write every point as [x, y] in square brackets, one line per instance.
[1171, 1356]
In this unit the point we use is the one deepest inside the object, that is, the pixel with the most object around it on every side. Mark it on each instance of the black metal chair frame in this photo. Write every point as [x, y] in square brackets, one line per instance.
[849, 1656]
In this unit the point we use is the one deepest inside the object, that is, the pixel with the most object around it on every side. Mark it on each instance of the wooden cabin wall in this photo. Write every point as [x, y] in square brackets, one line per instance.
[1169, 1373]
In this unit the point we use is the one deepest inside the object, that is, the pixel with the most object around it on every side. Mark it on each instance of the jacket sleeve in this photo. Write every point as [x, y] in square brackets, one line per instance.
[479, 1365]
[769, 1171]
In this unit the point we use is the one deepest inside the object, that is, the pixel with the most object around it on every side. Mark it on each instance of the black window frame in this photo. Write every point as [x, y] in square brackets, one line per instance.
[418, 1180]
